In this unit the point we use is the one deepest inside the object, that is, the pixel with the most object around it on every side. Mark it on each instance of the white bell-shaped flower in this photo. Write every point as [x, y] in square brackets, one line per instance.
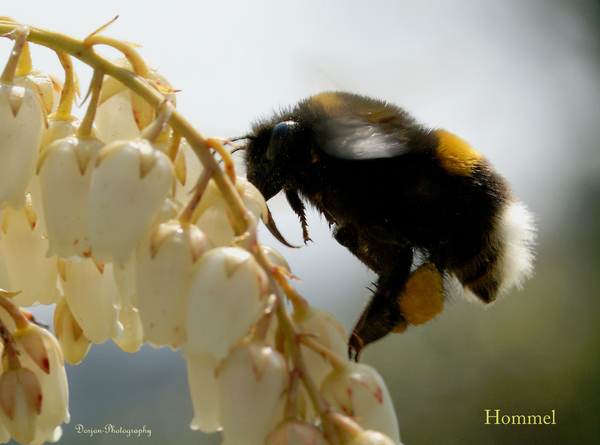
[359, 391]
[46, 86]
[20, 403]
[165, 266]
[129, 185]
[74, 344]
[125, 273]
[214, 219]
[58, 127]
[21, 126]
[325, 329]
[204, 390]
[51, 377]
[91, 295]
[227, 298]
[133, 332]
[122, 113]
[65, 173]
[53, 436]
[251, 380]
[23, 249]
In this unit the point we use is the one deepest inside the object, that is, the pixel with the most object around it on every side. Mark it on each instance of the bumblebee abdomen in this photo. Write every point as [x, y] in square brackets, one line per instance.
[455, 155]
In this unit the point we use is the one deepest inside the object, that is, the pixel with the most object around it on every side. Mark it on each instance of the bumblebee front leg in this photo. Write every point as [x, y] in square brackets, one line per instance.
[298, 207]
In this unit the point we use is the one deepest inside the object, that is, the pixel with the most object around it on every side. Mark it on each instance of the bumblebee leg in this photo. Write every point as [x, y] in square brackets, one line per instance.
[381, 316]
[298, 208]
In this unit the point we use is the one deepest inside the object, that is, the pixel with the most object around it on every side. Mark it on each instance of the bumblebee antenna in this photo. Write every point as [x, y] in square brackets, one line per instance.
[236, 147]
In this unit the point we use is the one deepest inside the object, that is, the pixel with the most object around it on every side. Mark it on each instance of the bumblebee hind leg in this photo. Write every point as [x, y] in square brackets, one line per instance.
[391, 259]
[381, 316]
[396, 304]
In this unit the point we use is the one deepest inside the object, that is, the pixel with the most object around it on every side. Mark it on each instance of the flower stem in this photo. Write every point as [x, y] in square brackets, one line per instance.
[85, 128]
[185, 216]
[10, 69]
[13, 310]
[10, 349]
[137, 62]
[67, 96]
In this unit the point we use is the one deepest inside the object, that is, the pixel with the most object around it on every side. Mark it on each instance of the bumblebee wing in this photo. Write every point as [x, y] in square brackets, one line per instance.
[362, 137]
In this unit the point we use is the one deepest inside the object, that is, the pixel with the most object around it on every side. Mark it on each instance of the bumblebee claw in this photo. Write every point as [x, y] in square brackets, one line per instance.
[355, 347]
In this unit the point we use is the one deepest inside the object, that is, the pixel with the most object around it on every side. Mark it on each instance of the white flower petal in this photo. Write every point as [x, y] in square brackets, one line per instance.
[165, 266]
[65, 173]
[129, 186]
[251, 382]
[226, 300]
[29, 271]
[204, 389]
[359, 391]
[91, 296]
[20, 138]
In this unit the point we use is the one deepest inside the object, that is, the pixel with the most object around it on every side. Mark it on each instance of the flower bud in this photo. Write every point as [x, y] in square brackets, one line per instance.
[204, 389]
[227, 298]
[359, 391]
[74, 344]
[65, 172]
[21, 125]
[165, 263]
[20, 403]
[52, 378]
[129, 186]
[23, 249]
[251, 380]
[91, 295]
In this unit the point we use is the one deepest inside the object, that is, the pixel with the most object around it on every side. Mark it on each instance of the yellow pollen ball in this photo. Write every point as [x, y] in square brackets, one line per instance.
[423, 297]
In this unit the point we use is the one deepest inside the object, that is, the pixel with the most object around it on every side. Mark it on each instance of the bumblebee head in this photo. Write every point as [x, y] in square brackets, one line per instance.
[268, 156]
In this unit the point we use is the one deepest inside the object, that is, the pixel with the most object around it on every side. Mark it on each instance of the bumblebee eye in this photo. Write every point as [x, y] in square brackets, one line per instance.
[262, 173]
[281, 133]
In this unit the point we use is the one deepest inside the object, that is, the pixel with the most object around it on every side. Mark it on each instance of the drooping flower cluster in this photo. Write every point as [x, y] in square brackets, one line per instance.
[136, 241]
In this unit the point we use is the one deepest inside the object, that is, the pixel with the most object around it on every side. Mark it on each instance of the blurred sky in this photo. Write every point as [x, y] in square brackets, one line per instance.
[519, 80]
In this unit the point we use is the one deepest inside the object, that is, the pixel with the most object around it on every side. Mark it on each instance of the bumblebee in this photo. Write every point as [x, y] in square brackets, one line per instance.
[418, 206]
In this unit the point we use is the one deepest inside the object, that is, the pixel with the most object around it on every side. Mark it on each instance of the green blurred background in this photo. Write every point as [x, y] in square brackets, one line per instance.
[519, 80]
